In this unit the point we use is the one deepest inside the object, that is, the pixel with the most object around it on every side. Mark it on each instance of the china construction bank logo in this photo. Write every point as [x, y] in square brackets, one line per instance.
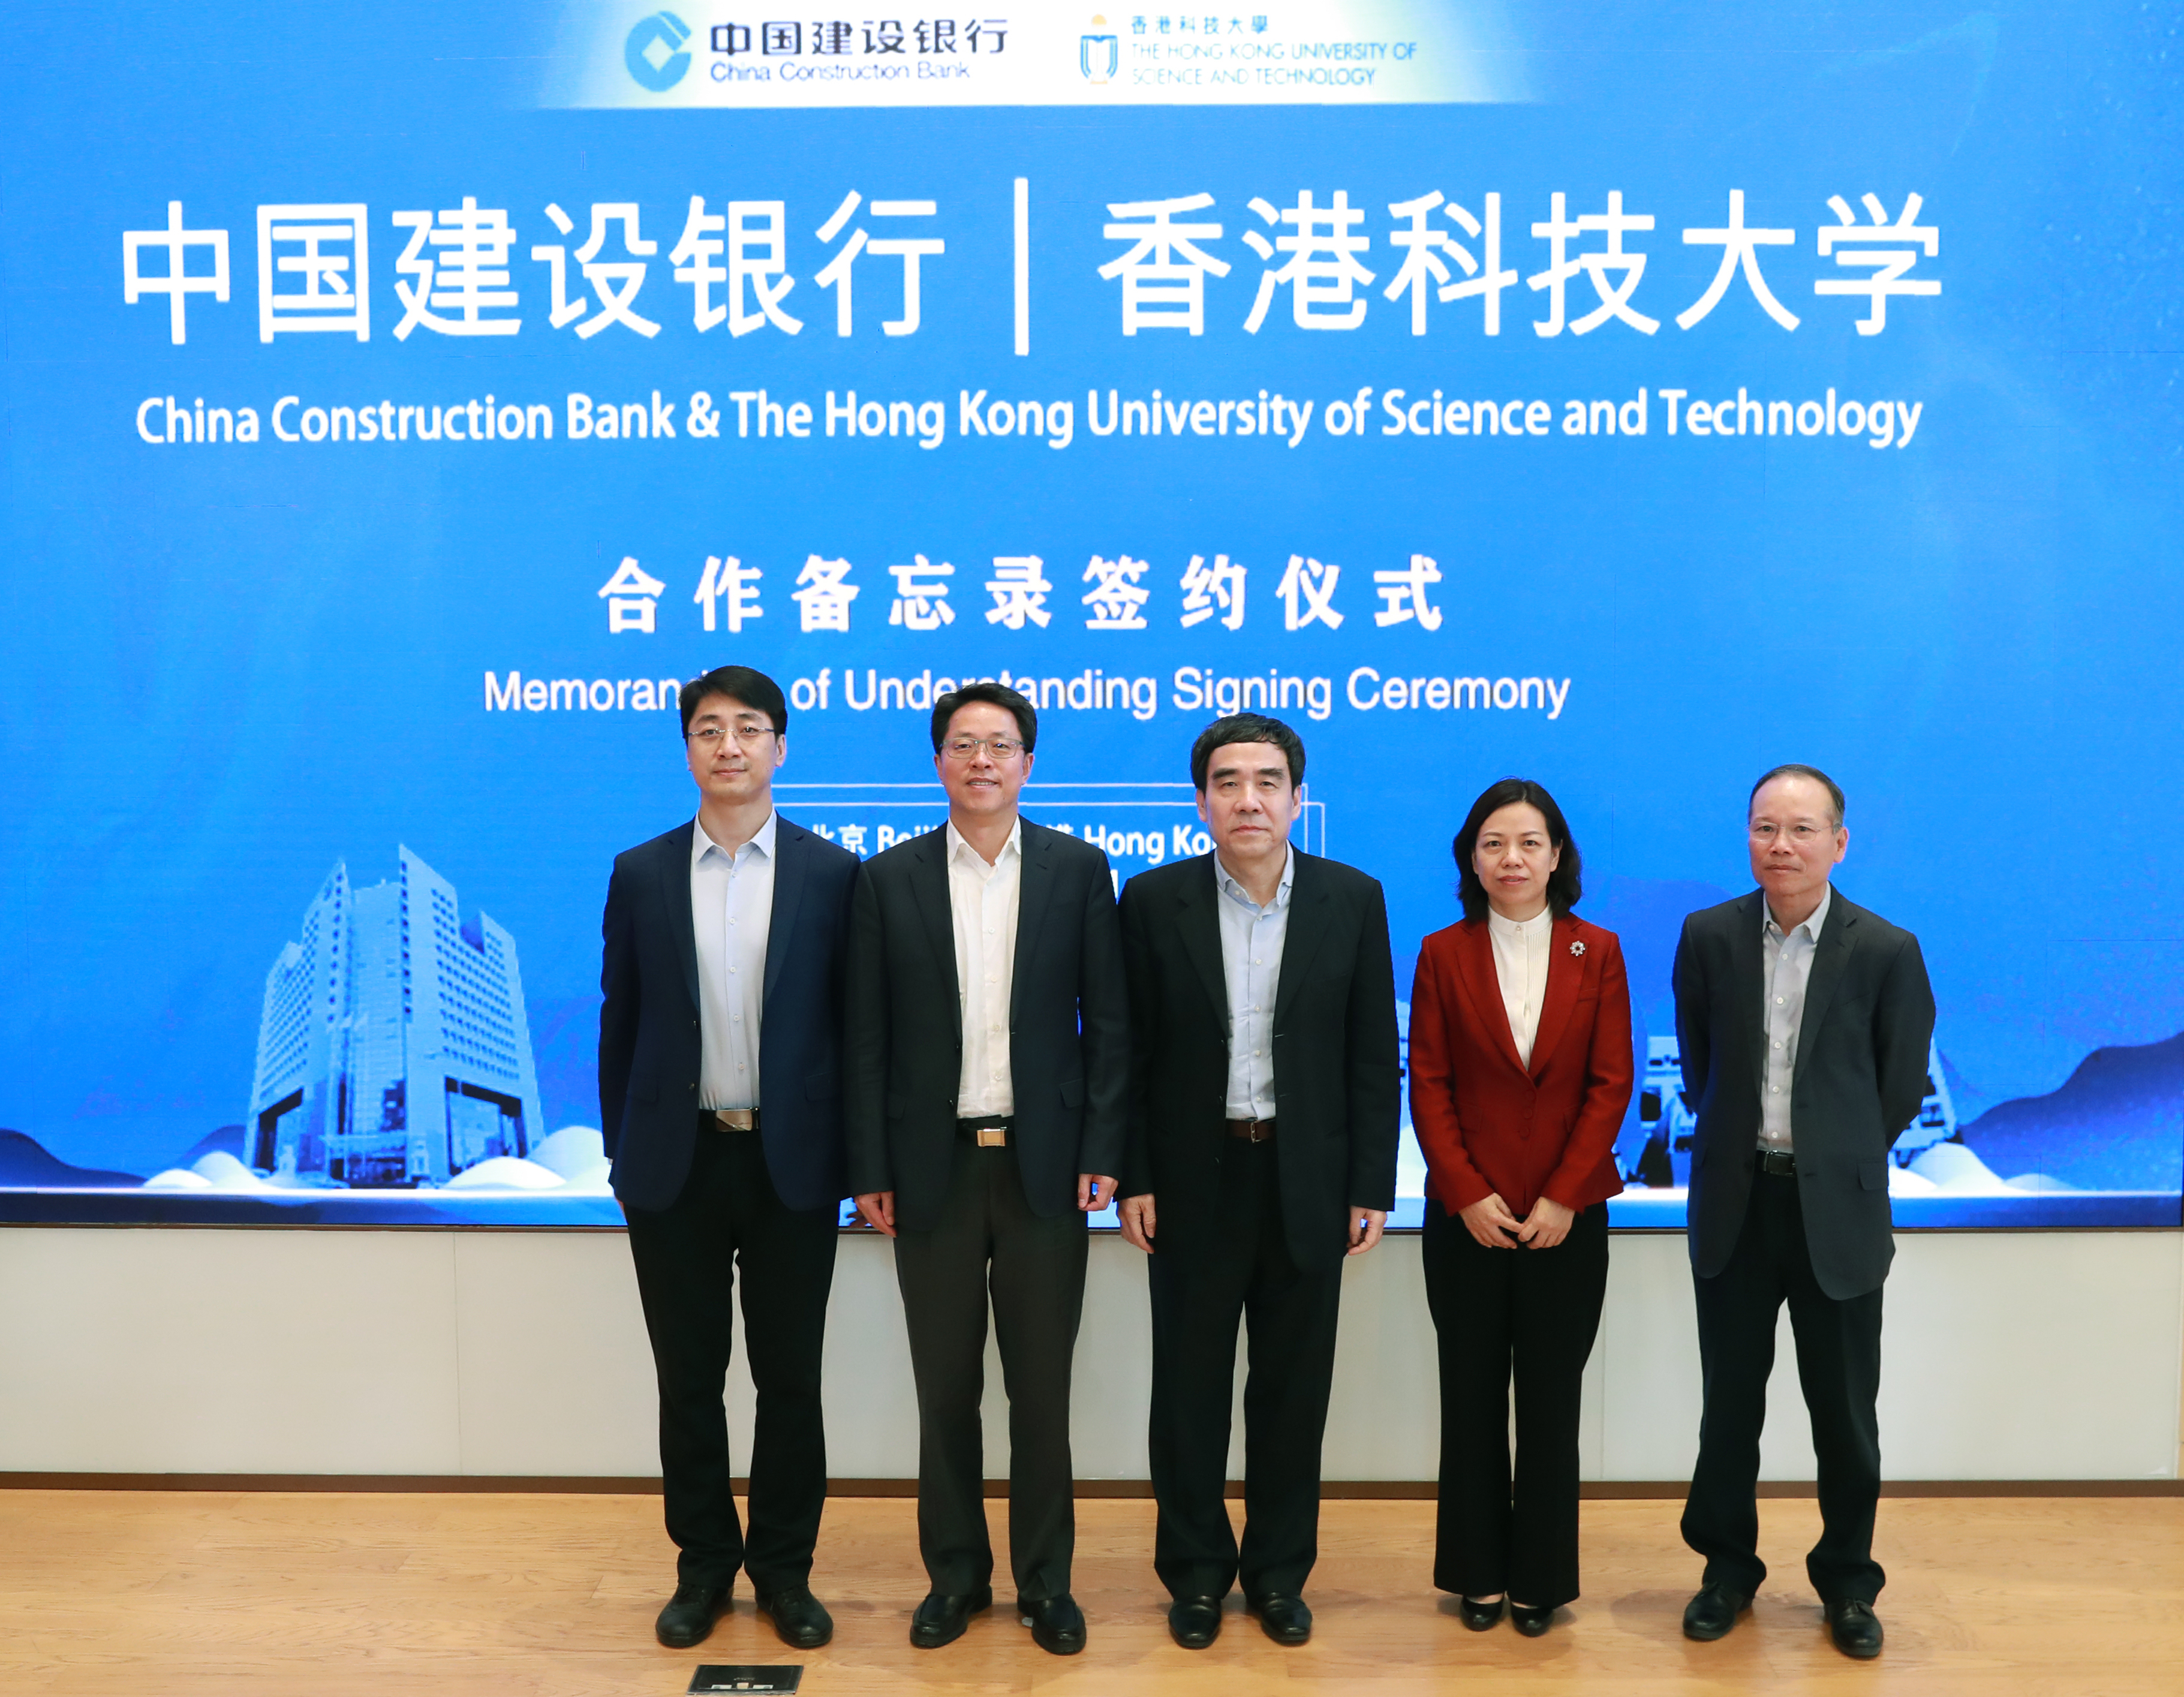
[1099, 52]
[654, 52]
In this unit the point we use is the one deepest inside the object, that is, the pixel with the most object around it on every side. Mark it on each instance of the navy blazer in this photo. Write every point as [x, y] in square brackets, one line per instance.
[1860, 1077]
[1069, 1036]
[650, 1044]
[1337, 1081]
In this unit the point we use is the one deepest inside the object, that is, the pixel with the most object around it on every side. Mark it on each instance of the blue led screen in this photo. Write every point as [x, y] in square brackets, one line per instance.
[400, 406]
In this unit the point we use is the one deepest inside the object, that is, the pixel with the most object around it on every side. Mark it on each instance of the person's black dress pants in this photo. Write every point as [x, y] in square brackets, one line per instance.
[1532, 1313]
[727, 1219]
[1238, 1270]
[1839, 1368]
[991, 1246]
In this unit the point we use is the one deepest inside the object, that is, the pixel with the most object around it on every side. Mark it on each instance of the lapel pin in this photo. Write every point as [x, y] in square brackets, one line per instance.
[1578, 947]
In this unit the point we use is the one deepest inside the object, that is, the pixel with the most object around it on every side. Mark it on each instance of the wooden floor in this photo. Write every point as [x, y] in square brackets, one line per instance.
[174, 1594]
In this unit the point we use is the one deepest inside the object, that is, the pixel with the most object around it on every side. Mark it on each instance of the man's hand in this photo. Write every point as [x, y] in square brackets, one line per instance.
[1136, 1214]
[1094, 1191]
[878, 1209]
[1366, 1225]
[1546, 1224]
[1490, 1223]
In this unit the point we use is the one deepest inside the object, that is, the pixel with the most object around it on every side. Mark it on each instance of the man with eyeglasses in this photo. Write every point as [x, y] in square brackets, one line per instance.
[1804, 1022]
[988, 1069]
[726, 942]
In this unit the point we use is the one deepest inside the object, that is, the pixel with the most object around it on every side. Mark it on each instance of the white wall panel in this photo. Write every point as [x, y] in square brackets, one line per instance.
[2027, 1355]
[219, 1352]
[556, 1376]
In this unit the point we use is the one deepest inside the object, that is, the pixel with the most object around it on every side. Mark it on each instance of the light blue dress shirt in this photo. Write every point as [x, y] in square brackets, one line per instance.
[1252, 939]
[1787, 967]
[731, 913]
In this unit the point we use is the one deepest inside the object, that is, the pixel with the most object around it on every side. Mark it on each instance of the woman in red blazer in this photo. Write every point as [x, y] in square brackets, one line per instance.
[1521, 1069]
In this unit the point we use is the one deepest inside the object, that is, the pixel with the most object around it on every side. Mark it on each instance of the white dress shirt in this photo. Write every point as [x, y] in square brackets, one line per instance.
[982, 899]
[1251, 940]
[1785, 970]
[1520, 967]
[732, 911]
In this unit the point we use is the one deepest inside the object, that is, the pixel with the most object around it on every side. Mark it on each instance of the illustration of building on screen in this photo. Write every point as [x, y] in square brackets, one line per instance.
[393, 1050]
[1667, 1123]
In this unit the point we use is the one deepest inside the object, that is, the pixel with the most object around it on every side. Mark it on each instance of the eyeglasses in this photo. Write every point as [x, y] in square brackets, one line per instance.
[710, 735]
[966, 748]
[1800, 832]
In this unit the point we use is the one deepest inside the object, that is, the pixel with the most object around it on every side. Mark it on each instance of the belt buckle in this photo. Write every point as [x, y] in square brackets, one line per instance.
[992, 1136]
[735, 1119]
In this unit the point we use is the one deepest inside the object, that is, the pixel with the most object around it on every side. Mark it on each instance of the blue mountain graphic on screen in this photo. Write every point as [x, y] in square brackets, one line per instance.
[228, 1140]
[2117, 1123]
[25, 1164]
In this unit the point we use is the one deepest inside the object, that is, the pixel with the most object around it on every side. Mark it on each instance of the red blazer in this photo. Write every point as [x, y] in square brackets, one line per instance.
[1487, 1123]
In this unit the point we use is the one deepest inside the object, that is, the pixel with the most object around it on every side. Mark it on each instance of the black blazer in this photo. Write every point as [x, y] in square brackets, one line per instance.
[650, 1047]
[1337, 1085]
[1860, 1074]
[1068, 1026]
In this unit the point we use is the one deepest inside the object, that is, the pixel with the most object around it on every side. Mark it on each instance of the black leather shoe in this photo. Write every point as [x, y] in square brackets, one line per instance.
[1194, 1622]
[1855, 1628]
[800, 1619]
[1712, 1612]
[940, 1620]
[1285, 1620]
[1056, 1623]
[1530, 1622]
[689, 1617]
[1479, 1617]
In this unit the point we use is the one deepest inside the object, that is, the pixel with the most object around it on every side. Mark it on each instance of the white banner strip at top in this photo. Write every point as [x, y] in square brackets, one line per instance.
[766, 53]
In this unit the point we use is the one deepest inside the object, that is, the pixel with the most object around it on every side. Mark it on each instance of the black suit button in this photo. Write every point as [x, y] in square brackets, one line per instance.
[693, 1089]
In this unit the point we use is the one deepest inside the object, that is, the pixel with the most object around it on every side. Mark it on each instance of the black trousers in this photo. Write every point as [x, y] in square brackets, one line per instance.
[1838, 1366]
[991, 1246]
[1532, 1313]
[687, 1255]
[1240, 1272]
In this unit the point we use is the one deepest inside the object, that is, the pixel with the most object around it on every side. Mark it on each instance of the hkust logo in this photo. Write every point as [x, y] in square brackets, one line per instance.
[654, 52]
[1099, 56]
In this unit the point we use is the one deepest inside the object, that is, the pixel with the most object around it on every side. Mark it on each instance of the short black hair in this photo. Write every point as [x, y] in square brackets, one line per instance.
[1246, 728]
[753, 689]
[1565, 884]
[1795, 769]
[993, 695]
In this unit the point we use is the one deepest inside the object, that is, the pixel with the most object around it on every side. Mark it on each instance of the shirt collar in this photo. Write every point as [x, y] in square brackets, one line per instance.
[1810, 924]
[1538, 926]
[701, 844]
[1230, 887]
[960, 845]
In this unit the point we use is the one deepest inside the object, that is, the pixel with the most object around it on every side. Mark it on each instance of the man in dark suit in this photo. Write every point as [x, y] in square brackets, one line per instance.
[989, 1053]
[1804, 1022]
[1264, 1104]
[726, 940]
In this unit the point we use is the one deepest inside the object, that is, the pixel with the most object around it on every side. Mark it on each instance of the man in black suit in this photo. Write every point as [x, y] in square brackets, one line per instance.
[988, 1050]
[1804, 1022]
[1263, 1114]
[725, 941]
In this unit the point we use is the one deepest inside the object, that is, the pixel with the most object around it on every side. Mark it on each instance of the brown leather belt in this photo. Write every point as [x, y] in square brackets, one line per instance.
[733, 1119]
[992, 1133]
[1252, 1131]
